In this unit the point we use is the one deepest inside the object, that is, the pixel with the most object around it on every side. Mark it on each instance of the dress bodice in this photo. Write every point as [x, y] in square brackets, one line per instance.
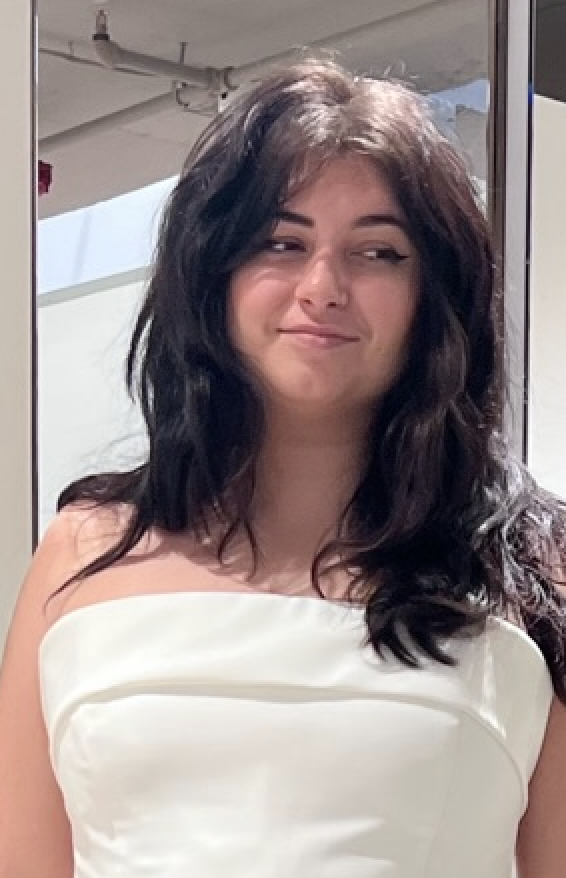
[205, 735]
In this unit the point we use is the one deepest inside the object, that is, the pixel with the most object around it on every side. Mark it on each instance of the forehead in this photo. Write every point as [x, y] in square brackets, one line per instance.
[348, 181]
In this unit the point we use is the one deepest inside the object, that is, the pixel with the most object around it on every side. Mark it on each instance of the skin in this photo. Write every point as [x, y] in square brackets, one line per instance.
[339, 259]
[319, 397]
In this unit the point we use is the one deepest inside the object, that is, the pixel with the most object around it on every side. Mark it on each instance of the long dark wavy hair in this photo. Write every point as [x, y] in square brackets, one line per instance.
[444, 528]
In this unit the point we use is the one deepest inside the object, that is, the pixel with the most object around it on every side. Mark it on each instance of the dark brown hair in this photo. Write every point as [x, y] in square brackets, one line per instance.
[452, 527]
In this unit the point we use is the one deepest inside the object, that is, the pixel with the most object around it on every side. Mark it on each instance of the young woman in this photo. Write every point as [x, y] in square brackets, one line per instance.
[317, 631]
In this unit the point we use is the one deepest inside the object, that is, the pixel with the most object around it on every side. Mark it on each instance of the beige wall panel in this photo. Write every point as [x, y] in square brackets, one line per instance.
[16, 309]
[547, 384]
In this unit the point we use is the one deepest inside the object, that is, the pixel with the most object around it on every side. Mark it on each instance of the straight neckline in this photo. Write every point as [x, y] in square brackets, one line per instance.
[120, 603]
[315, 604]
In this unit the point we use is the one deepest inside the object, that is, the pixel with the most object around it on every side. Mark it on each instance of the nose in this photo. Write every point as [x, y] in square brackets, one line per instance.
[321, 284]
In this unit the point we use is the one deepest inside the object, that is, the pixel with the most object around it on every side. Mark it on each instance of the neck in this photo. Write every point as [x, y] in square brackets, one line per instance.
[306, 476]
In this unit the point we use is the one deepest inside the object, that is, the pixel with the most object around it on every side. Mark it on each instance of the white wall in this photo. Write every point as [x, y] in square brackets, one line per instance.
[86, 422]
[547, 386]
[16, 223]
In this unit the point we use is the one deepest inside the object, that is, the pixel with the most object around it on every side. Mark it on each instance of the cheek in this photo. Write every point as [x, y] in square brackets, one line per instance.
[390, 317]
[241, 308]
[255, 305]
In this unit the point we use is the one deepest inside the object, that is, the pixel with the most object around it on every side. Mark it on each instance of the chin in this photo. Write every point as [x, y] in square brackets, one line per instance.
[318, 402]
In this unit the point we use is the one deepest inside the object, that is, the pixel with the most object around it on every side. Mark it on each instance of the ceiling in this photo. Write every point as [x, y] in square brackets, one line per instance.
[436, 44]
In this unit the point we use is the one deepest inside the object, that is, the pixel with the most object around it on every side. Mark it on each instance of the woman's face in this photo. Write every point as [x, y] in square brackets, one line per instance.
[321, 314]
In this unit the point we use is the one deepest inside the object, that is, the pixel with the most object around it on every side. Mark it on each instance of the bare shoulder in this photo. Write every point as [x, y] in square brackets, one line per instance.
[75, 537]
[541, 849]
[80, 528]
[91, 530]
[72, 540]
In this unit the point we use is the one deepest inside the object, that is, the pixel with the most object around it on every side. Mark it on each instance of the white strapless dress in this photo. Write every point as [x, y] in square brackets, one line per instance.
[253, 736]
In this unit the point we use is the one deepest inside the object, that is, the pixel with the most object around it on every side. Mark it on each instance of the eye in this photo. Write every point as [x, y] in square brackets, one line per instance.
[383, 254]
[281, 245]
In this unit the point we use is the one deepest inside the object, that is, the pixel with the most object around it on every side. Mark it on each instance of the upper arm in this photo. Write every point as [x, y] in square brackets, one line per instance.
[541, 848]
[33, 824]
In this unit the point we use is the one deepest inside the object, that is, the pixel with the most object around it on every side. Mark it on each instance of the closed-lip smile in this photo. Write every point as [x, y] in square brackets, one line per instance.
[317, 331]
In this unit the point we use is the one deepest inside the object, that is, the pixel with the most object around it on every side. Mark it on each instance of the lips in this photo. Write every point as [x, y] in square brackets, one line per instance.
[321, 332]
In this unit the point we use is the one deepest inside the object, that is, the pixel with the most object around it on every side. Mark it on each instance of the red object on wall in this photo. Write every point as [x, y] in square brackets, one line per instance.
[44, 177]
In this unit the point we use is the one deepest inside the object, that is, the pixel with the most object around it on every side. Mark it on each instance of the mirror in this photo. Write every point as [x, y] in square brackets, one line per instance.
[115, 125]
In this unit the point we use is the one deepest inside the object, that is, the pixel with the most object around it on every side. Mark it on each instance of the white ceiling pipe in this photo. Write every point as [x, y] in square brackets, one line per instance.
[113, 55]
[73, 58]
[221, 80]
[230, 78]
[107, 123]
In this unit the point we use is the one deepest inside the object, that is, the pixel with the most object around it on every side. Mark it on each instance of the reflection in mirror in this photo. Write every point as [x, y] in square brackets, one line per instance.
[124, 90]
[115, 124]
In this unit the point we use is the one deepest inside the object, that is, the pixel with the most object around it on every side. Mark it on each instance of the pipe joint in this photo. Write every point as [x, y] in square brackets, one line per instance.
[220, 83]
[108, 53]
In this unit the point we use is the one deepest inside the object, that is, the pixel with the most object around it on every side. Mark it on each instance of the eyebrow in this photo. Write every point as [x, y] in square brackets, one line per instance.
[362, 222]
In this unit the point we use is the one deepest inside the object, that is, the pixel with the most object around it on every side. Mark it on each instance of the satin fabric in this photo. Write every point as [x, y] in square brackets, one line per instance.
[207, 735]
